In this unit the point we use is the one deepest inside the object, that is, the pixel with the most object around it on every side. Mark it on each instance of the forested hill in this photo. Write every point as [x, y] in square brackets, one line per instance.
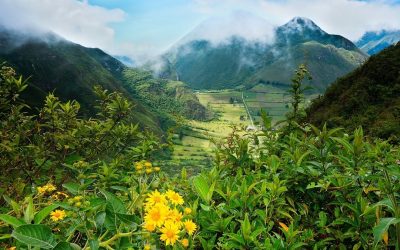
[369, 96]
[70, 71]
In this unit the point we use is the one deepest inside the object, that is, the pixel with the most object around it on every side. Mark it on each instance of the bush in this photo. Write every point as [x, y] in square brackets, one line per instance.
[73, 183]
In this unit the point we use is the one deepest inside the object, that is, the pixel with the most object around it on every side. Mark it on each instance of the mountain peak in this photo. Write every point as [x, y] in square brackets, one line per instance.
[300, 25]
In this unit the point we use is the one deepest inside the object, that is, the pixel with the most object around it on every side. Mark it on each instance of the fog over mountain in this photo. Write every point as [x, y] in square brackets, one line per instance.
[373, 42]
[142, 30]
[208, 62]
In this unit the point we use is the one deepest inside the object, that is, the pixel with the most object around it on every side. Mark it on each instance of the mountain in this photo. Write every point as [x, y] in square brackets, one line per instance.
[55, 64]
[369, 96]
[237, 61]
[70, 70]
[374, 41]
[126, 60]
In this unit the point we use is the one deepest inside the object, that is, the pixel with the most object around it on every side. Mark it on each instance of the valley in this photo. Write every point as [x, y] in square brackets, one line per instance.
[193, 146]
[199, 125]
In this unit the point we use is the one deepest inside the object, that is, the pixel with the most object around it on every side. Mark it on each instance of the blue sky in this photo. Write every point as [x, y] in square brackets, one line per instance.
[145, 28]
[160, 23]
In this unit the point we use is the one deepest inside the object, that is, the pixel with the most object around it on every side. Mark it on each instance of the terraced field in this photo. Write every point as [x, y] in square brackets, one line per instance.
[194, 147]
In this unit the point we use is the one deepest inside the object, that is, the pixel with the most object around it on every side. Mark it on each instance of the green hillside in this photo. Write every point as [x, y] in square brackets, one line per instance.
[369, 96]
[164, 96]
[237, 61]
[325, 63]
[71, 71]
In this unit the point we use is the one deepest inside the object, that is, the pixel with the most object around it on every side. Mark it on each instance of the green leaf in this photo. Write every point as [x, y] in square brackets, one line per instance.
[114, 204]
[203, 190]
[94, 244]
[73, 188]
[246, 227]
[63, 246]
[322, 219]
[35, 235]
[29, 211]
[72, 158]
[5, 236]
[344, 143]
[204, 207]
[44, 213]
[128, 219]
[11, 220]
[120, 188]
[382, 227]
[15, 206]
[100, 218]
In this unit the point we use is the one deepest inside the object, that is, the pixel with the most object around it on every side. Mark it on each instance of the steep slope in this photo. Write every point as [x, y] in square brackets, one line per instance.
[205, 66]
[369, 96]
[374, 41]
[71, 71]
[54, 64]
[237, 61]
[164, 96]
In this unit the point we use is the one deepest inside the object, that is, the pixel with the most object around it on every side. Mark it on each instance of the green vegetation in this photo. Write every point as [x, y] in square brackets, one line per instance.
[165, 97]
[74, 183]
[71, 71]
[194, 141]
[369, 97]
[237, 62]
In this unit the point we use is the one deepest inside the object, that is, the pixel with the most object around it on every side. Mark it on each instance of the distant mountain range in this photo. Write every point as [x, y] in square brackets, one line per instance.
[374, 41]
[239, 62]
[368, 97]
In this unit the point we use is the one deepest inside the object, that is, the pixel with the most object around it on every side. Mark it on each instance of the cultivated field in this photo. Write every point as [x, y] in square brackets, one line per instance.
[194, 147]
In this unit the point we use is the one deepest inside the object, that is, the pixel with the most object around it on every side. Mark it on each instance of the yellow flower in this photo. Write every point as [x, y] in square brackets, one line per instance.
[59, 196]
[149, 170]
[149, 226]
[175, 216]
[58, 215]
[157, 215]
[147, 247]
[169, 234]
[12, 248]
[148, 164]
[190, 226]
[78, 198]
[155, 198]
[138, 166]
[185, 242]
[41, 190]
[50, 187]
[174, 197]
[188, 210]
[385, 237]
[283, 226]
[157, 169]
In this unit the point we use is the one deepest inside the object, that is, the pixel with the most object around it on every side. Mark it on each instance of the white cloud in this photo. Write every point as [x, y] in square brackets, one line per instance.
[92, 26]
[349, 18]
[237, 23]
[77, 21]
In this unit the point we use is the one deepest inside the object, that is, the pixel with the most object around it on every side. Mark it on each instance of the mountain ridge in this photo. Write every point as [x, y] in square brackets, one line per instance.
[237, 61]
[373, 42]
